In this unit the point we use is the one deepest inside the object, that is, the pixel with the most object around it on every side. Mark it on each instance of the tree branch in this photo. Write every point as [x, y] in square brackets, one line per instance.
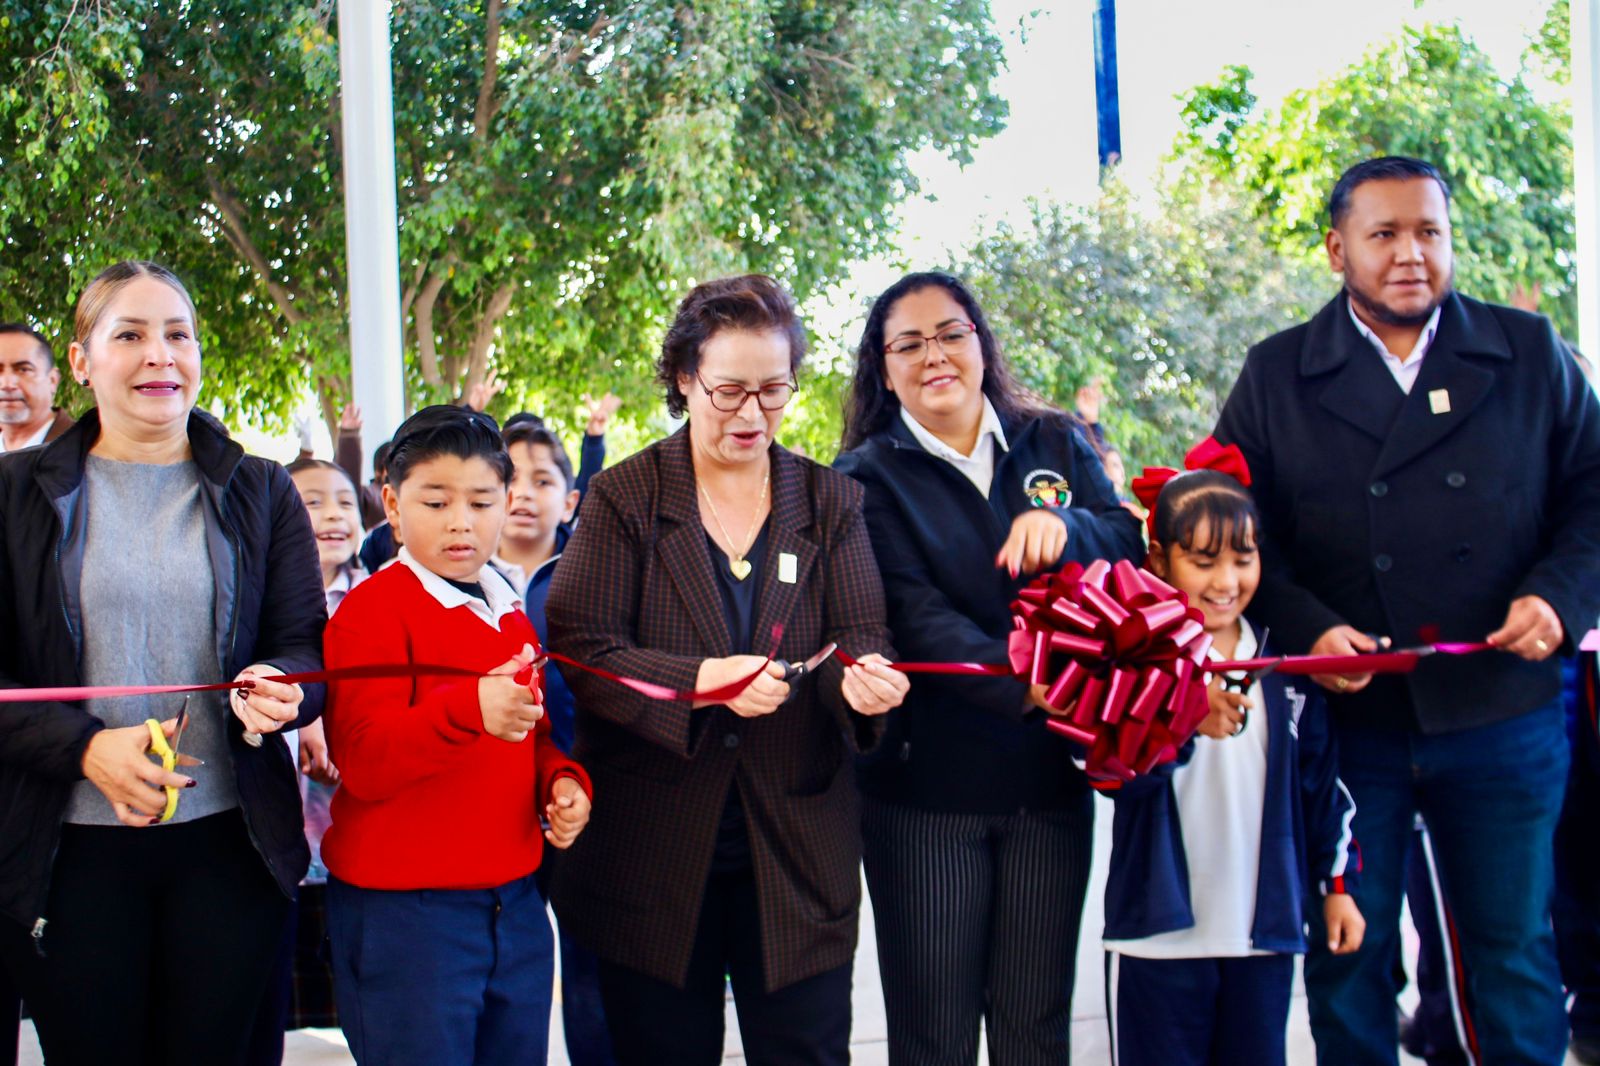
[410, 294]
[575, 52]
[483, 114]
[499, 304]
[233, 228]
[427, 350]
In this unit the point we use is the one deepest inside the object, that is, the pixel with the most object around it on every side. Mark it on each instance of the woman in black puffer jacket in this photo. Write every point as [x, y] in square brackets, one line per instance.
[144, 547]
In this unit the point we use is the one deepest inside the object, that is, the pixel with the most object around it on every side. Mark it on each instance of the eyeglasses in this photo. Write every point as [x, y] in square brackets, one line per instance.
[952, 340]
[730, 398]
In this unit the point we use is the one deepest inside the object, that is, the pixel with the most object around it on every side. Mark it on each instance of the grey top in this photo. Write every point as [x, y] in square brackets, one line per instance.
[148, 606]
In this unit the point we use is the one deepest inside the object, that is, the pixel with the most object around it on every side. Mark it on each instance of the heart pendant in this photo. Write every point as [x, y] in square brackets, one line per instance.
[740, 568]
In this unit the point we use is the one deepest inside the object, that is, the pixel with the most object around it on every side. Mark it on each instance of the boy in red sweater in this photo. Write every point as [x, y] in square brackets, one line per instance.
[442, 951]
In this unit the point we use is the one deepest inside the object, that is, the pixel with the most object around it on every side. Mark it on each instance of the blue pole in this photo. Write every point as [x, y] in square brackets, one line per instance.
[1108, 112]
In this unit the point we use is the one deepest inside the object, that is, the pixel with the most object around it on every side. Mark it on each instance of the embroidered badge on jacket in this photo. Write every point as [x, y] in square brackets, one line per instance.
[1046, 488]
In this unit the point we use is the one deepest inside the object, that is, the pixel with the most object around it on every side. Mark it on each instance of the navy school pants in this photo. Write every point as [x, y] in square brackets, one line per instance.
[1198, 1012]
[442, 975]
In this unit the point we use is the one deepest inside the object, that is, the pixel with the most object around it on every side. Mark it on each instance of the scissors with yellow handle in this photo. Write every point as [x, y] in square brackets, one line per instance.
[167, 751]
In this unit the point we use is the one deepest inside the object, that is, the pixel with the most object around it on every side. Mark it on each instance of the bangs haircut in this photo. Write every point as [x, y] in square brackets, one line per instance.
[302, 465]
[444, 429]
[1207, 498]
[531, 431]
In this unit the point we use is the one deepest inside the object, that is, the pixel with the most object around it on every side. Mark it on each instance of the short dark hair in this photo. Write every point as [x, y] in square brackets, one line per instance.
[870, 406]
[380, 461]
[750, 303]
[531, 430]
[1383, 168]
[29, 331]
[446, 429]
[1210, 497]
[301, 465]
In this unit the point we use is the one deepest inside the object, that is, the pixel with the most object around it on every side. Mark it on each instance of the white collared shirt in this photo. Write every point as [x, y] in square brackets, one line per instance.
[978, 467]
[510, 571]
[502, 598]
[36, 439]
[1405, 370]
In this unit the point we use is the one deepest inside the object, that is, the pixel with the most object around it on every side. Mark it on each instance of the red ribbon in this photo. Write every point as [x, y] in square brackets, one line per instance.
[1207, 455]
[527, 677]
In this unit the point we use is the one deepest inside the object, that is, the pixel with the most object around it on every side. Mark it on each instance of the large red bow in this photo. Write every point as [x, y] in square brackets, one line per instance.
[1207, 455]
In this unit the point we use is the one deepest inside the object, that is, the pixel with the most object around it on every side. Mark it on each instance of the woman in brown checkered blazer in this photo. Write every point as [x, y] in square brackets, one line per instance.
[725, 838]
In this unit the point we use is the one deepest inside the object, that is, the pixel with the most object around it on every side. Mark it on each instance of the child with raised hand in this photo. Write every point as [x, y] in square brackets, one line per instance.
[1214, 859]
[442, 950]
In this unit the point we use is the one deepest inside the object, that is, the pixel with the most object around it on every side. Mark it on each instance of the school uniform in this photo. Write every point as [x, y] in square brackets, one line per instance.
[440, 940]
[977, 826]
[1410, 506]
[1214, 866]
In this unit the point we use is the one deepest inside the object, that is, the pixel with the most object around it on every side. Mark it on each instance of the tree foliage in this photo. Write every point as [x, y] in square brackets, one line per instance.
[1161, 299]
[1430, 93]
[565, 170]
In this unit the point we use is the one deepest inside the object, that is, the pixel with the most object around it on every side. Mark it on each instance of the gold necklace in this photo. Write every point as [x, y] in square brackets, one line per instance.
[737, 563]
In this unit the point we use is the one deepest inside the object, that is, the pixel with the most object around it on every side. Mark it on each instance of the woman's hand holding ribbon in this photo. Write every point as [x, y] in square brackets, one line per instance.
[266, 706]
[763, 695]
[117, 762]
[1037, 539]
[872, 686]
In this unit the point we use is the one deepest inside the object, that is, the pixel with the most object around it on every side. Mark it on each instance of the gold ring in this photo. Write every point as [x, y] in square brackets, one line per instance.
[1541, 645]
[1342, 682]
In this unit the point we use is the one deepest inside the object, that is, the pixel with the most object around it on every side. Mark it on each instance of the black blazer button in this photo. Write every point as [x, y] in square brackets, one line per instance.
[731, 740]
[1384, 564]
[1455, 479]
[1463, 553]
[1380, 488]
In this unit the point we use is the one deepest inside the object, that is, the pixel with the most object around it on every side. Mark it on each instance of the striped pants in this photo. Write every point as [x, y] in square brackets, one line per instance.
[977, 918]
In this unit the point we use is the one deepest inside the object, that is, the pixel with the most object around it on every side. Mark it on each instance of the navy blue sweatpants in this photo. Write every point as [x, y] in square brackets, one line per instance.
[1198, 1012]
[442, 975]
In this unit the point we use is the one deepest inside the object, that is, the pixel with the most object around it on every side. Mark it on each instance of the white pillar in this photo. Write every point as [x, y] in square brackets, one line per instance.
[371, 226]
[1586, 167]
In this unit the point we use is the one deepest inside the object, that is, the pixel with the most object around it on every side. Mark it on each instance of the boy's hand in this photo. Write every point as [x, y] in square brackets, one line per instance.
[567, 814]
[1345, 925]
[510, 710]
[1227, 711]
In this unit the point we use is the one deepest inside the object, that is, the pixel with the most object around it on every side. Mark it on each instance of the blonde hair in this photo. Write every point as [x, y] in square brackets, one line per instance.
[112, 280]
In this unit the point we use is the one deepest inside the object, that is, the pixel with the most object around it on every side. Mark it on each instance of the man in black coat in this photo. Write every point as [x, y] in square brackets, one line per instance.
[1429, 464]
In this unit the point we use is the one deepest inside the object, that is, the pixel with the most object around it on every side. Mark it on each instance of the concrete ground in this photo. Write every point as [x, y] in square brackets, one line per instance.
[869, 1041]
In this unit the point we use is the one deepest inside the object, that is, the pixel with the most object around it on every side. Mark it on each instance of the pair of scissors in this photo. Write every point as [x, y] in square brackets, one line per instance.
[167, 751]
[794, 671]
[1240, 684]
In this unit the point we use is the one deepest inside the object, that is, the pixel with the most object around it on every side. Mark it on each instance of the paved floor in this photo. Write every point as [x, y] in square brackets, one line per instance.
[869, 1047]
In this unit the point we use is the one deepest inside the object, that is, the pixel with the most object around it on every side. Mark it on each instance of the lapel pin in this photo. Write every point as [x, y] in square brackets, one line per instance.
[788, 568]
[1439, 401]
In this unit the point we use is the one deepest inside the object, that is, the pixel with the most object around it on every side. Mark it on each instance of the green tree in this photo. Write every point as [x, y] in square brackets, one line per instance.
[565, 170]
[1430, 93]
[1159, 299]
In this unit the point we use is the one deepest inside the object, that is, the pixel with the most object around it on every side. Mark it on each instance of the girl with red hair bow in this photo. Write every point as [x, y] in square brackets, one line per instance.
[1211, 854]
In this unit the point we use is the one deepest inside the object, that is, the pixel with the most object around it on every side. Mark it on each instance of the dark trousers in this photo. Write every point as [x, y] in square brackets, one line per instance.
[1576, 910]
[583, 1014]
[1490, 796]
[272, 1015]
[442, 975]
[1198, 1012]
[654, 1023]
[977, 919]
[10, 1014]
[157, 948]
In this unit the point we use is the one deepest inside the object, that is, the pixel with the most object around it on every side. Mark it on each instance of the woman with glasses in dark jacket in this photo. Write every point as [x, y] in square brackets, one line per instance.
[977, 826]
[144, 547]
[725, 840]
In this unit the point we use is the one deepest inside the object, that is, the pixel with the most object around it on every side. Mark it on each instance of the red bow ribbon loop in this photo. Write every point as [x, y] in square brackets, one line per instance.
[1207, 455]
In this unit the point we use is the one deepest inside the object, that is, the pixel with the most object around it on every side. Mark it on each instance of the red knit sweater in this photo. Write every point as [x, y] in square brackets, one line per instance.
[427, 798]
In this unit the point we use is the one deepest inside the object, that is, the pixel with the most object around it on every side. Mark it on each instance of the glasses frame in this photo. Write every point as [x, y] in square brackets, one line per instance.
[923, 352]
[711, 394]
